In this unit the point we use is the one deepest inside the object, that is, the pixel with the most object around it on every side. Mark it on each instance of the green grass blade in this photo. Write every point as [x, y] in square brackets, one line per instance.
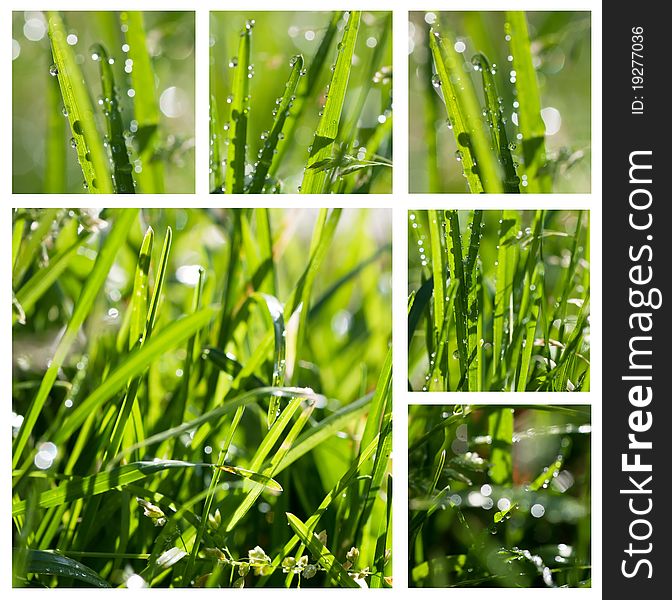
[500, 426]
[140, 296]
[217, 148]
[314, 179]
[83, 307]
[55, 163]
[90, 150]
[234, 179]
[439, 268]
[122, 178]
[158, 286]
[456, 269]
[531, 124]
[464, 112]
[175, 334]
[474, 306]
[52, 563]
[41, 281]
[536, 289]
[145, 104]
[320, 553]
[506, 256]
[494, 114]
[307, 87]
[271, 140]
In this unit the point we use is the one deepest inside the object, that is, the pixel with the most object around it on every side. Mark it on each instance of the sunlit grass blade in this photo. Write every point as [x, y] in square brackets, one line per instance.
[474, 305]
[282, 111]
[478, 161]
[217, 148]
[530, 122]
[321, 553]
[234, 178]
[456, 268]
[89, 145]
[536, 289]
[500, 427]
[314, 180]
[439, 268]
[139, 300]
[145, 104]
[494, 109]
[82, 309]
[52, 563]
[122, 178]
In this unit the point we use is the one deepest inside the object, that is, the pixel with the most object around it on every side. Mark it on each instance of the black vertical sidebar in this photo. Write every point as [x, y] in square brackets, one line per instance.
[637, 268]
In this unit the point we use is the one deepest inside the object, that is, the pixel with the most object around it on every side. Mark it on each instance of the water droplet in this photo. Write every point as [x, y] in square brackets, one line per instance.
[436, 80]
[53, 70]
[233, 62]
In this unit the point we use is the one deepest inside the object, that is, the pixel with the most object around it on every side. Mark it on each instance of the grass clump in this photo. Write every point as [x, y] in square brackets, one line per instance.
[499, 301]
[309, 110]
[118, 89]
[511, 112]
[499, 496]
[178, 377]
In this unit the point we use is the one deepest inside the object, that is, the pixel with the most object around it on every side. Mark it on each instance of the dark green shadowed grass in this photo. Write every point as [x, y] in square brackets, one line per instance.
[169, 439]
[499, 497]
[324, 127]
[499, 301]
[514, 108]
[103, 102]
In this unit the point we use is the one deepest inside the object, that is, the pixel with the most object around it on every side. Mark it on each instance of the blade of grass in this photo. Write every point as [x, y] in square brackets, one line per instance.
[320, 553]
[30, 246]
[55, 167]
[500, 428]
[217, 148]
[456, 269]
[494, 110]
[530, 122]
[535, 287]
[52, 563]
[234, 178]
[480, 166]
[474, 306]
[121, 178]
[315, 180]
[90, 150]
[282, 111]
[145, 104]
[81, 311]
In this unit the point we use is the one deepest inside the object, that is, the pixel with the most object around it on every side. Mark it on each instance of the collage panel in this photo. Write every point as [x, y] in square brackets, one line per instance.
[499, 300]
[499, 496]
[500, 102]
[301, 102]
[103, 102]
[202, 398]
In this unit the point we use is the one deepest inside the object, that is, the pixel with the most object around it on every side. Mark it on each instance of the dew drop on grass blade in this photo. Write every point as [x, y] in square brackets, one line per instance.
[86, 139]
[122, 178]
[315, 179]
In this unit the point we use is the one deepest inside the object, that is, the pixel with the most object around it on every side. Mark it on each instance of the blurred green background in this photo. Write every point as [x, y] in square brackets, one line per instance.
[170, 39]
[278, 36]
[561, 54]
[462, 543]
